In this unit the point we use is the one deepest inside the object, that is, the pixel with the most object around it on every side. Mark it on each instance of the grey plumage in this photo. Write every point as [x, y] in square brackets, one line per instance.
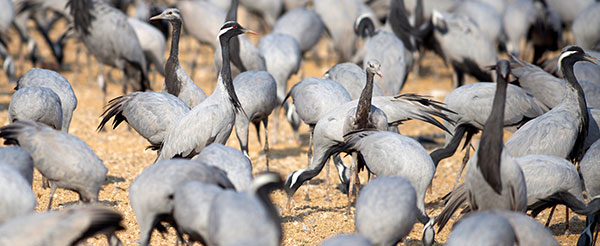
[246, 218]
[7, 15]
[352, 78]
[269, 10]
[338, 17]
[212, 120]
[151, 114]
[232, 161]
[191, 208]
[152, 42]
[177, 82]
[346, 240]
[151, 193]
[390, 51]
[66, 227]
[546, 175]
[314, 97]
[38, 104]
[464, 46]
[584, 34]
[302, 24]
[566, 124]
[65, 160]
[379, 150]
[589, 170]
[282, 56]
[470, 117]
[329, 130]
[568, 11]
[528, 230]
[386, 210]
[486, 17]
[58, 84]
[206, 18]
[483, 228]
[16, 197]
[19, 159]
[257, 91]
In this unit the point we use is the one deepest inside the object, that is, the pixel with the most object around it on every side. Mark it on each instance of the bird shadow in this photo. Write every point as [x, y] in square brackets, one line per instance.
[113, 179]
[310, 210]
[77, 203]
[285, 152]
[576, 226]
[415, 242]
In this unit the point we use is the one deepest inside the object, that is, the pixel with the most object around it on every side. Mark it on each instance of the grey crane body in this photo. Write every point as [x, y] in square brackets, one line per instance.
[528, 230]
[152, 42]
[7, 15]
[346, 240]
[338, 17]
[386, 210]
[108, 35]
[19, 159]
[237, 166]
[386, 111]
[589, 169]
[66, 227]
[483, 228]
[486, 17]
[464, 46]
[493, 179]
[206, 18]
[282, 56]
[246, 218]
[151, 114]
[304, 25]
[566, 124]
[379, 150]
[212, 120]
[593, 128]
[389, 50]
[191, 208]
[483, 197]
[38, 104]
[352, 78]
[269, 10]
[546, 175]
[65, 160]
[16, 197]
[568, 11]
[584, 34]
[315, 97]
[177, 82]
[244, 55]
[470, 117]
[545, 88]
[151, 193]
[257, 91]
[58, 84]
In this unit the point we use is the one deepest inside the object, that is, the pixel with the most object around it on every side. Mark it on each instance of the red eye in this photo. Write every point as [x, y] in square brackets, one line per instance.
[234, 26]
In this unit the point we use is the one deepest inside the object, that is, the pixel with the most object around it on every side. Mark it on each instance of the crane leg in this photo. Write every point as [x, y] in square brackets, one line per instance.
[567, 219]
[52, 191]
[352, 181]
[327, 184]
[267, 154]
[309, 154]
[101, 82]
[550, 216]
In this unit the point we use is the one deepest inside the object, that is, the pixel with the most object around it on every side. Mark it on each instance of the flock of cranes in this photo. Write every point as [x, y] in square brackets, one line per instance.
[207, 191]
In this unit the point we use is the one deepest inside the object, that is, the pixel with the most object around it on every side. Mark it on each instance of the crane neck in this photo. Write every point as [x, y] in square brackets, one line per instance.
[226, 73]
[364, 104]
[174, 53]
[573, 90]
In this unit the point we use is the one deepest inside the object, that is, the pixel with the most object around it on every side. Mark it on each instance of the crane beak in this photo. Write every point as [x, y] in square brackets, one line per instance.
[379, 74]
[591, 59]
[249, 31]
[158, 17]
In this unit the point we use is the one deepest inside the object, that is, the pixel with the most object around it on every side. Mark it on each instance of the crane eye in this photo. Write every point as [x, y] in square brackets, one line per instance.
[170, 12]
[234, 26]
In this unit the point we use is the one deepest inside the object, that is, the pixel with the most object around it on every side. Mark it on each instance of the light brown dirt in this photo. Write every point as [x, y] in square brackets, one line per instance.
[306, 222]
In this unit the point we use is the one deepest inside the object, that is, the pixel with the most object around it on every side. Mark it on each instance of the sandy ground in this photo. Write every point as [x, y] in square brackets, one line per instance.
[306, 222]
